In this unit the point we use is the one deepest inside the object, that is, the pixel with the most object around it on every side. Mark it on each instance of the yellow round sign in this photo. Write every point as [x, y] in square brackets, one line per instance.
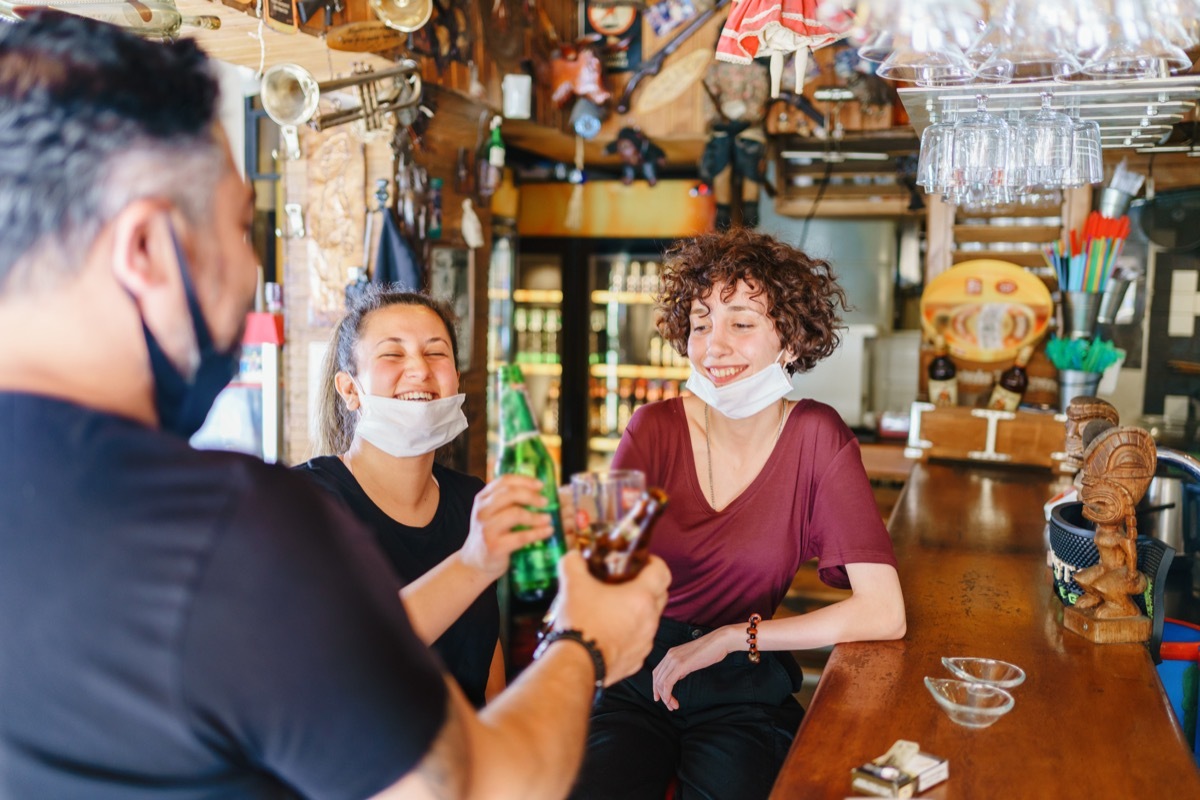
[986, 309]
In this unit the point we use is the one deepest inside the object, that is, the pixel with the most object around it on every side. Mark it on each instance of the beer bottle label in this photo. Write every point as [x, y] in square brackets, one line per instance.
[943, 394]
[1004, 399]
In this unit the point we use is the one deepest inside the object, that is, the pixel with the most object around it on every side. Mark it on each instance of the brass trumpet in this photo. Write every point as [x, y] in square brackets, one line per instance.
[290, 95]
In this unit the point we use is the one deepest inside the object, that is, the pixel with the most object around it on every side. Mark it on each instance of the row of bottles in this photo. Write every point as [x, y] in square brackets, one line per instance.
[609, 412]
[1005, 395]
[537, 331]
[606, 348]
[641, 277]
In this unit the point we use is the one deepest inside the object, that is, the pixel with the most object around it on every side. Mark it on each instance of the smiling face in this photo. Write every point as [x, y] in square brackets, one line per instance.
[404, 352]
[731, 338]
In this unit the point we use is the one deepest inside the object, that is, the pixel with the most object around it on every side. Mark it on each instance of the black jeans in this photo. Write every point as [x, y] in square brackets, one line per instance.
[727, 741]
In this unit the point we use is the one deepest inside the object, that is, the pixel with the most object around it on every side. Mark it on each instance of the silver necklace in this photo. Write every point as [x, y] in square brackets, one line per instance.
[712, 494]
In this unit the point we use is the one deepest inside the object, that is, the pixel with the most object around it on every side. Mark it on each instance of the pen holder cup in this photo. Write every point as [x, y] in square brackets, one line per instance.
[1074, 383]
[1110, 301]
[1080, 311]
[1113, 202]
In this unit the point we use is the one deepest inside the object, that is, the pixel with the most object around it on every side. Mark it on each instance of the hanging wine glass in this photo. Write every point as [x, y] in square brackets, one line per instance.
[923, 52]
[1025, 41]
[1134, 48]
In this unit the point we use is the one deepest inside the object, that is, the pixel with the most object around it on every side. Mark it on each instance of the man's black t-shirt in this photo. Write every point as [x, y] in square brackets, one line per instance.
[468, 645]
[185, 624]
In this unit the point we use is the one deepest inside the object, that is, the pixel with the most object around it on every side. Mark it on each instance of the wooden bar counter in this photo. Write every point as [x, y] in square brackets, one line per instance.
[1090, 721]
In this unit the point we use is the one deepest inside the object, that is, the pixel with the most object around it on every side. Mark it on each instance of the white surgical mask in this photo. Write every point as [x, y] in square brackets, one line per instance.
[746, 397]
[409, 427]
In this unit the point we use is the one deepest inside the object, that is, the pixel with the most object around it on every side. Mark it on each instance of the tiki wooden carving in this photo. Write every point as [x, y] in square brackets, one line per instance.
[1080, 412]
[1118, 464]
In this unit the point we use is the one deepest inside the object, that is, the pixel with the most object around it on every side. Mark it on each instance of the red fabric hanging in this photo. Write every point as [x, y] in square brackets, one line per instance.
[774, 28]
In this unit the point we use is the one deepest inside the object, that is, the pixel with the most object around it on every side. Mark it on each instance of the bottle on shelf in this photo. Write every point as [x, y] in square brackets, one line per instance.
[521, 326]
[1007, 393]
[650, 283]
[654, 391]
[624, 404]
[640, 392]
[670, 390]
[550, 410]
[596, 407]
[633, 281]
[655, 354]
[616, 276]
[597, 337]
[551, 328]
[532, 571]
[537, 318]
[943, 385]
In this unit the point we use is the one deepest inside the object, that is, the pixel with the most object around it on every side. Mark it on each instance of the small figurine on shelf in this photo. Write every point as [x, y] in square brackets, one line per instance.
[637, 153]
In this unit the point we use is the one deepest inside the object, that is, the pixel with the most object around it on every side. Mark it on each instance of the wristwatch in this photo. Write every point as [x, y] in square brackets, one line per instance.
[588, 644]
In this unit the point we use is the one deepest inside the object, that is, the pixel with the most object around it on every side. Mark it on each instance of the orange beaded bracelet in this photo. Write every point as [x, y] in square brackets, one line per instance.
[752, 637]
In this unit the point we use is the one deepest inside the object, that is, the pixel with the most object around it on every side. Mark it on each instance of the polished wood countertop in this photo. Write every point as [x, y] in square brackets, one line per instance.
[1090, 721]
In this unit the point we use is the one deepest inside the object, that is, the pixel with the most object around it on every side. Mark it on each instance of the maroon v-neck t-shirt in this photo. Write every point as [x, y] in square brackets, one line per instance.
[812, 499]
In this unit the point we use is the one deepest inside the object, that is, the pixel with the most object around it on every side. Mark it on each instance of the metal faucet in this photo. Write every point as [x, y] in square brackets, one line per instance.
[1178, 458]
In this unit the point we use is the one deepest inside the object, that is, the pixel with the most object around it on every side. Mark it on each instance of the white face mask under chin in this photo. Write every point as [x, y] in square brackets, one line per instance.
[746, 397]
[409, 427]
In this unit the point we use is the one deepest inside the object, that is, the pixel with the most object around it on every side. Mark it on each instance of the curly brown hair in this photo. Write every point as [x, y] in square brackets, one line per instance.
[801, 294]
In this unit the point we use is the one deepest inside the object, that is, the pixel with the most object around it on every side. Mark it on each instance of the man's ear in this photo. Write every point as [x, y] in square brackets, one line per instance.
[143, 256]
[348, 391]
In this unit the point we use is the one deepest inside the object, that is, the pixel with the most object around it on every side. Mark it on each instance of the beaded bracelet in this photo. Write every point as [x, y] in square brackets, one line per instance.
[588, 644]
[752, 637]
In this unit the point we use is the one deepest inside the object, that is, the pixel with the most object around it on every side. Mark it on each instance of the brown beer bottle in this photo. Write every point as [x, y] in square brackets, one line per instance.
[943, 385]
[617, 555]
[1007, 393]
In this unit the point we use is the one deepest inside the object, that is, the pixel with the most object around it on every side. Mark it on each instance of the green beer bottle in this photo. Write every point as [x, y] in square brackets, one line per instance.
[532, 572]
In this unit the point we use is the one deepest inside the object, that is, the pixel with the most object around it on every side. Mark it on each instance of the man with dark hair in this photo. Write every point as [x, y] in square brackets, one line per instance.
[178, 623]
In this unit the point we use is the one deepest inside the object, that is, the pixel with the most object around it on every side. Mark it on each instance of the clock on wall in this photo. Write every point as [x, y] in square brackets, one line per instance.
[616, 22]
[611, 20]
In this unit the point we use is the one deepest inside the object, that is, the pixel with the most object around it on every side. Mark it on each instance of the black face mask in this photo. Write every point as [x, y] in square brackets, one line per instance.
[182, 405]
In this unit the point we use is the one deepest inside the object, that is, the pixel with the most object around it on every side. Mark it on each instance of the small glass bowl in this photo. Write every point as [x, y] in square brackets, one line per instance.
[986, 670]
[974, 705]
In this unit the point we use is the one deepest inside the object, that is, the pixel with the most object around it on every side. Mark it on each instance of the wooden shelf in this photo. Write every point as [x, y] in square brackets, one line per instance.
[532, 369]
[542, 296]
[602, 444]
[640, 371]
[1007, 233]
[1022, 258]
[625, 298]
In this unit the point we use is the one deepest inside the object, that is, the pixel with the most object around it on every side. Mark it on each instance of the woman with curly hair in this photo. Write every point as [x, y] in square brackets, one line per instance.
[759, 485]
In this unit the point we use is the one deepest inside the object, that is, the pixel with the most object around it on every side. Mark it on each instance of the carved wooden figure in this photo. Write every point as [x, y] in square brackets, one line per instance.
[1118, 464]
[1080, 412]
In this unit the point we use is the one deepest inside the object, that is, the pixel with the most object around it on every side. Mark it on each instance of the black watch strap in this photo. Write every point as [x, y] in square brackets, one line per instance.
[588, 644]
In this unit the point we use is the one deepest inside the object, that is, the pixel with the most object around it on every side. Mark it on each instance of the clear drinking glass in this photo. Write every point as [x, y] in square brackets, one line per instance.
[1047, 144]
[981, 149]
[935, 164]
[1087, 166]
[602, 498]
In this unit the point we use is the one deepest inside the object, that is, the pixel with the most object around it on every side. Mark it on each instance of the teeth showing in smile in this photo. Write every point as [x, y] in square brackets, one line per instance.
[725, 372]
[415, 396]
